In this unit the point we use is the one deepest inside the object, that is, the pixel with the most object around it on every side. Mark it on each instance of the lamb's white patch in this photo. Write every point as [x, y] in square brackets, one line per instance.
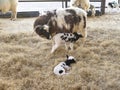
[61, 69]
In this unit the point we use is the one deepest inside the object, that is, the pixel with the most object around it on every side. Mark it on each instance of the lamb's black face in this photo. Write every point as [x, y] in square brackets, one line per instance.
[42, 32]
[111, 5]
[77, 36]
[70, 60]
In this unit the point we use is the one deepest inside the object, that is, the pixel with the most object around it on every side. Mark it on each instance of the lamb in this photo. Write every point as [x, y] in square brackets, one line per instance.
[65, 39]
[9, 5]
[63, 67]
[112, 5]
[92, 9]
[84, 4]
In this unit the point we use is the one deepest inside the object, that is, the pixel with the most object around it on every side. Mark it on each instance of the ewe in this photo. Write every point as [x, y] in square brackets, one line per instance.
[84, 4]
[9, 5]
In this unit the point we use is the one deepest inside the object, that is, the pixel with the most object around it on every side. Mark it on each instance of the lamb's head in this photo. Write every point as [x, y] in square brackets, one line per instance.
[43, 31]
[70, 60]
[77, 35]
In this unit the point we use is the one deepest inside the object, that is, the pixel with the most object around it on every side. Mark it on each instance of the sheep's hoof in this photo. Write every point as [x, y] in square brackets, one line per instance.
[13, 19]
[68, 48]
[51, 52]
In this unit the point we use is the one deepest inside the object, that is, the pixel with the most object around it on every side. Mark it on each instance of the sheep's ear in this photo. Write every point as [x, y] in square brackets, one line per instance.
[75, 33]
[67, 56]
[80, 35]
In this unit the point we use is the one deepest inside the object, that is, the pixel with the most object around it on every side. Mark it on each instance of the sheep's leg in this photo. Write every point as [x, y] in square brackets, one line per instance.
[14, 15]
[84, 33]
[118, 9]
[93, 12]
[6, 7]
[83, 41]
[54, 48]
[66, 47]
[14, 12]
[109, 10]
[53, 44]
[71, 46]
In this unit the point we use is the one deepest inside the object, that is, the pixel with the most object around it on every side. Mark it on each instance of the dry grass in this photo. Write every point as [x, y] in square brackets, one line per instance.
[26, 63]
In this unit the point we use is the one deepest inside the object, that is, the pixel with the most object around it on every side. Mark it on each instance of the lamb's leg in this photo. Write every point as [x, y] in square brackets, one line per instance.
[54, 47]
[71, 46]
[66, 47]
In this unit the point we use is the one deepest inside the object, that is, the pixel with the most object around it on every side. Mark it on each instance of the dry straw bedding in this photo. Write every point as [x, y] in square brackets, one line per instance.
[26, 63]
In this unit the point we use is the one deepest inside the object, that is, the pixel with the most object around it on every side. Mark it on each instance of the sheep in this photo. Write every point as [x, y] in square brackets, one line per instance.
[65, 39]
[92, 9]
[66, 20]
[9, 5]
[112, 5]
[84, 4]
[63, 67]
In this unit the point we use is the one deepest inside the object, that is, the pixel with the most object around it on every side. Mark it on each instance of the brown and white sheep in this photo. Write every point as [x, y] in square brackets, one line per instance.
[9, 5]
[67, 20]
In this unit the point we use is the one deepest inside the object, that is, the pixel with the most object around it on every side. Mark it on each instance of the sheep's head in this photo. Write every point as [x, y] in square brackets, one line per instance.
[77, 36]
[43, 31]
[70, 60]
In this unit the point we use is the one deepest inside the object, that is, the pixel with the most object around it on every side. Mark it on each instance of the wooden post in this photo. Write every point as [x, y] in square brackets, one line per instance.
[103, 6]
[66, 3]
[62, 3]
[119, 2]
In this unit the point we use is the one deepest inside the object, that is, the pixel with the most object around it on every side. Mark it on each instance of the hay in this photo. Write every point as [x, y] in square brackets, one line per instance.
[26, 62]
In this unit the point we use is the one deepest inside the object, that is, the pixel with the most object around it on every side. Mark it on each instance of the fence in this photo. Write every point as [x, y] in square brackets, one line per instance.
[65, 3]
[102, 5]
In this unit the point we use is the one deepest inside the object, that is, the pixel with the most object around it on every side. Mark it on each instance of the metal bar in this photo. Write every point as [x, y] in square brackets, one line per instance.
[40, 0]
[62, 3]
[26, 14]
[103, 6]
[119, 2]
[66, 4]
[95, 0]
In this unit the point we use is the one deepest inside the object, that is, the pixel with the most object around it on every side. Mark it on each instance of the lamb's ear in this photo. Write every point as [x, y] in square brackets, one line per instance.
[80, 35]
[75, 33]
[67, 56]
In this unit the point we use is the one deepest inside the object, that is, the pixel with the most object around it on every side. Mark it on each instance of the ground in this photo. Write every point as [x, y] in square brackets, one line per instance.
[26, 62]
